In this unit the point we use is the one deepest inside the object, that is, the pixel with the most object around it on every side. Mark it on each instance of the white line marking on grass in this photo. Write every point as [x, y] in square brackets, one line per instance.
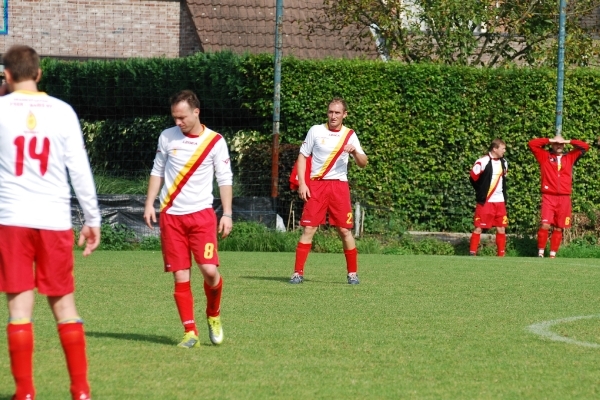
[543, 329]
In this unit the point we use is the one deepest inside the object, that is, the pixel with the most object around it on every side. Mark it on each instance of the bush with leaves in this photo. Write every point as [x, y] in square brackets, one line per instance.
[117, 237]
[421, 125]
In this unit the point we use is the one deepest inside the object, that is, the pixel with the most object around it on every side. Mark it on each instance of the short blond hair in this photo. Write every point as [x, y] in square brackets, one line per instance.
[339, 100]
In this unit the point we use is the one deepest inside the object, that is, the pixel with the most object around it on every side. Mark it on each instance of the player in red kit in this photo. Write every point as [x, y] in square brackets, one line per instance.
[41, 150]
[488, 177]
[556, 170]
[188, 158]
[330, 146]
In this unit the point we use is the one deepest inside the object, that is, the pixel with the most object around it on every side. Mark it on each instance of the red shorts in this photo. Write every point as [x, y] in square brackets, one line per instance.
[490, 215]
[331, 197]
[182, 234]
[556, 210]
[36, 258]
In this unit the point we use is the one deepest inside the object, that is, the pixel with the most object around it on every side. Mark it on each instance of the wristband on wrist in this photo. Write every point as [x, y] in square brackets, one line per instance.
[228, 215]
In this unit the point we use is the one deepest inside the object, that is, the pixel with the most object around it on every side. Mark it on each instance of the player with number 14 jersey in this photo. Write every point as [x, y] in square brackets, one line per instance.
[42, 156]
[41, 140]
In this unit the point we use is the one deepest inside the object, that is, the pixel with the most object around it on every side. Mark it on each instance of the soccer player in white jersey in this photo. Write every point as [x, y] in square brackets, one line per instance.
[188, 157]
[488, 177]
[41, 146]
[330, 146]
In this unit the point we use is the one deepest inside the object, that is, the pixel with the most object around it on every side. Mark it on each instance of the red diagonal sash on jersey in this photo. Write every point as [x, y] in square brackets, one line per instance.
[335, 154]
[190, 167]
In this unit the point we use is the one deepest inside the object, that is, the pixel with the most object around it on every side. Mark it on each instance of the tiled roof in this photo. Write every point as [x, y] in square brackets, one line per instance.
[249, 26]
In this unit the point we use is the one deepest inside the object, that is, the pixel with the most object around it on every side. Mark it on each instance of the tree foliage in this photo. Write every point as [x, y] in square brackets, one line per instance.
[464, 32]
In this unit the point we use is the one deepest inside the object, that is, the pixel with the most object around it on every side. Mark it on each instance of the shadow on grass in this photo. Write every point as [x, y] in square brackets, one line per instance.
[268, 278]
[5, 396]
[132, 336]
[286, 280]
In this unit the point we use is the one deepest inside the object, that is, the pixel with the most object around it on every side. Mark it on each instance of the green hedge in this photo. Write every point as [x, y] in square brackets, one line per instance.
[254, 175]
[135, 88]
[124, 147]
[422, 126]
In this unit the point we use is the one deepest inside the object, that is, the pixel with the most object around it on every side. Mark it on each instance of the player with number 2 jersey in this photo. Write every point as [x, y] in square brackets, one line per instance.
[330, 146]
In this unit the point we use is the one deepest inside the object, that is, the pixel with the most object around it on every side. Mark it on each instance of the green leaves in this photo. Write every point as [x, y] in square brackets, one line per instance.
[131, 88]
[421, 125]
[464, 32]
[124, 147]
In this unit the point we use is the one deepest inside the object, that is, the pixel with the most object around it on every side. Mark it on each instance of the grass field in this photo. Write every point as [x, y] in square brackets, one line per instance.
[422, 327]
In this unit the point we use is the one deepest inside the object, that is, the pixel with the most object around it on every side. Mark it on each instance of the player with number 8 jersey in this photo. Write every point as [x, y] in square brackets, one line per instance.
[188, 157]
[41, 148]
[556, 170]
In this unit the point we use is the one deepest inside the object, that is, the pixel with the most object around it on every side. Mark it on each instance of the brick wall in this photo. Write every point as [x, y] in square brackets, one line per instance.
[102, 28]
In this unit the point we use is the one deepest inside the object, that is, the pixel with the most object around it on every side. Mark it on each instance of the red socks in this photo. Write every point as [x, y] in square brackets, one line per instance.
[501, 244]
[474, 243]
[351, 260]
[302, 251]
[213, 298]
[555, 240]
[185, 305]
[20, 348]
[542, 238]
[72, 339]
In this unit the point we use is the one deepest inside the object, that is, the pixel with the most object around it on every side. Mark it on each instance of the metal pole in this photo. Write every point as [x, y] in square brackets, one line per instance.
[560, 81]
[276, 103]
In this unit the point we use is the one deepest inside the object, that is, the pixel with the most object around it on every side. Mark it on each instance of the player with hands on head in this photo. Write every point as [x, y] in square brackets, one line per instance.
[488, 178]
[188, 157]
[41, 147]
[331, 145]
[556, 172]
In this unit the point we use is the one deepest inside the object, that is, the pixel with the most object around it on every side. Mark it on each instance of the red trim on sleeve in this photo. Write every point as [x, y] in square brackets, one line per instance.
[475, 176]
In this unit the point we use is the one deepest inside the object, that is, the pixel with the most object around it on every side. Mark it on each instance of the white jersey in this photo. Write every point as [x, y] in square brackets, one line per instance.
[187, 164]
[41, 146]
[329, 161]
